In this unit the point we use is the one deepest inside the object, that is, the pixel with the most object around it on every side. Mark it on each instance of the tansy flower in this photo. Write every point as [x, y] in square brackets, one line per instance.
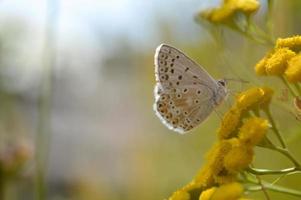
[206, 177]
[180, 195]
[277, 63]
[225, 177]
[215, 162]
[231, 191]
[228, 9]
[246, 6]
[214, 165]
[267, 97]
[293, 71]
[293, 43]
[229, 123]
[215, 156]
[207, 194]
[260, 67]
[239, 157]
[218, 15]
[249, 98]
[254, 98]
[253, 130]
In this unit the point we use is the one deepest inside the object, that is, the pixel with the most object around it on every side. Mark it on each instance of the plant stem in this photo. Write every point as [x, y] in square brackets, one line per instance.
[298, 88]
[289, 156]
[269, 18]
[275, 129]
[257, 171]
[269, 145]
[275, 188]
[288, 86]
[262, 187]
[259, 32]
[44, 106]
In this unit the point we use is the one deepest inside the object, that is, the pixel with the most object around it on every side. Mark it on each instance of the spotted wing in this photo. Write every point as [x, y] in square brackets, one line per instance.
[184, 92]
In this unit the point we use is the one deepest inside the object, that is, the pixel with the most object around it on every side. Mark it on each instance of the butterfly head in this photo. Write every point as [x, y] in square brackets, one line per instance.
[222, 91]
[222, 82]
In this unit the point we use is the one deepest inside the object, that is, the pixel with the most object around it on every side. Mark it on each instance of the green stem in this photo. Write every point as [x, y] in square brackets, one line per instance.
[262, 187]
[250, 36]
[288, 86]
[44, 109]
[269, 18]
[289, 156]
[275, 188]
[298, 88]
[253, 28]
[274, 127]
[269, 145]
[257, 171]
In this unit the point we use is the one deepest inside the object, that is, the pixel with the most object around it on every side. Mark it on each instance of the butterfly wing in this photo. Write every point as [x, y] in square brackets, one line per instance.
[184, 92]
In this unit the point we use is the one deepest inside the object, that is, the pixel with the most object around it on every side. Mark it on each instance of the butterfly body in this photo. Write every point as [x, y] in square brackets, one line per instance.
[185, 94]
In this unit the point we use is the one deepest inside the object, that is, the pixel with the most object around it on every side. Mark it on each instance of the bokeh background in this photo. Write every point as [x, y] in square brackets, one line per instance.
[76, 90]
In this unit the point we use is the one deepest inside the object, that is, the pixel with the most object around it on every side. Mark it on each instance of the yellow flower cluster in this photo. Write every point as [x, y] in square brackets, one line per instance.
[293, 43]
[225, 192]
[285, 60]
[293, 71]
[251, 99]
[228, 9]
[233, 152]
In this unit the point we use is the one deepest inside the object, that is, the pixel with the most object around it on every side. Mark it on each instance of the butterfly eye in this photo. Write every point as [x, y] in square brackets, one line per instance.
[222, 82]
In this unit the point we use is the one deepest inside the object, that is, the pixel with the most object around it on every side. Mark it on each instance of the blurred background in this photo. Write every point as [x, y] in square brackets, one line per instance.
[76, 95]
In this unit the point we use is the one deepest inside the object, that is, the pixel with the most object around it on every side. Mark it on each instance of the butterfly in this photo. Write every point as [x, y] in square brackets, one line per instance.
[185, 94]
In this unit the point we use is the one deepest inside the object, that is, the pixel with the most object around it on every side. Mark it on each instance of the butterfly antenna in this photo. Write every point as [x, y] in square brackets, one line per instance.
[237, 80]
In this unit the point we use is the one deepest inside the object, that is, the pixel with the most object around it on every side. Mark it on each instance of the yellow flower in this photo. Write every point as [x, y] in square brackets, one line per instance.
[260, 67]
[180, 195]
[239, 157]
[293, 43]
[204, 178]
[207, 194]
[246, 6]
[253, 131]
[254, 98]
[249, 98]
[267, 97]
[218, 15]
[231, 191]
[229, 123]
[215, 156]
[225, 13]
[277, 63]
[225, 177]
[293, 71]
